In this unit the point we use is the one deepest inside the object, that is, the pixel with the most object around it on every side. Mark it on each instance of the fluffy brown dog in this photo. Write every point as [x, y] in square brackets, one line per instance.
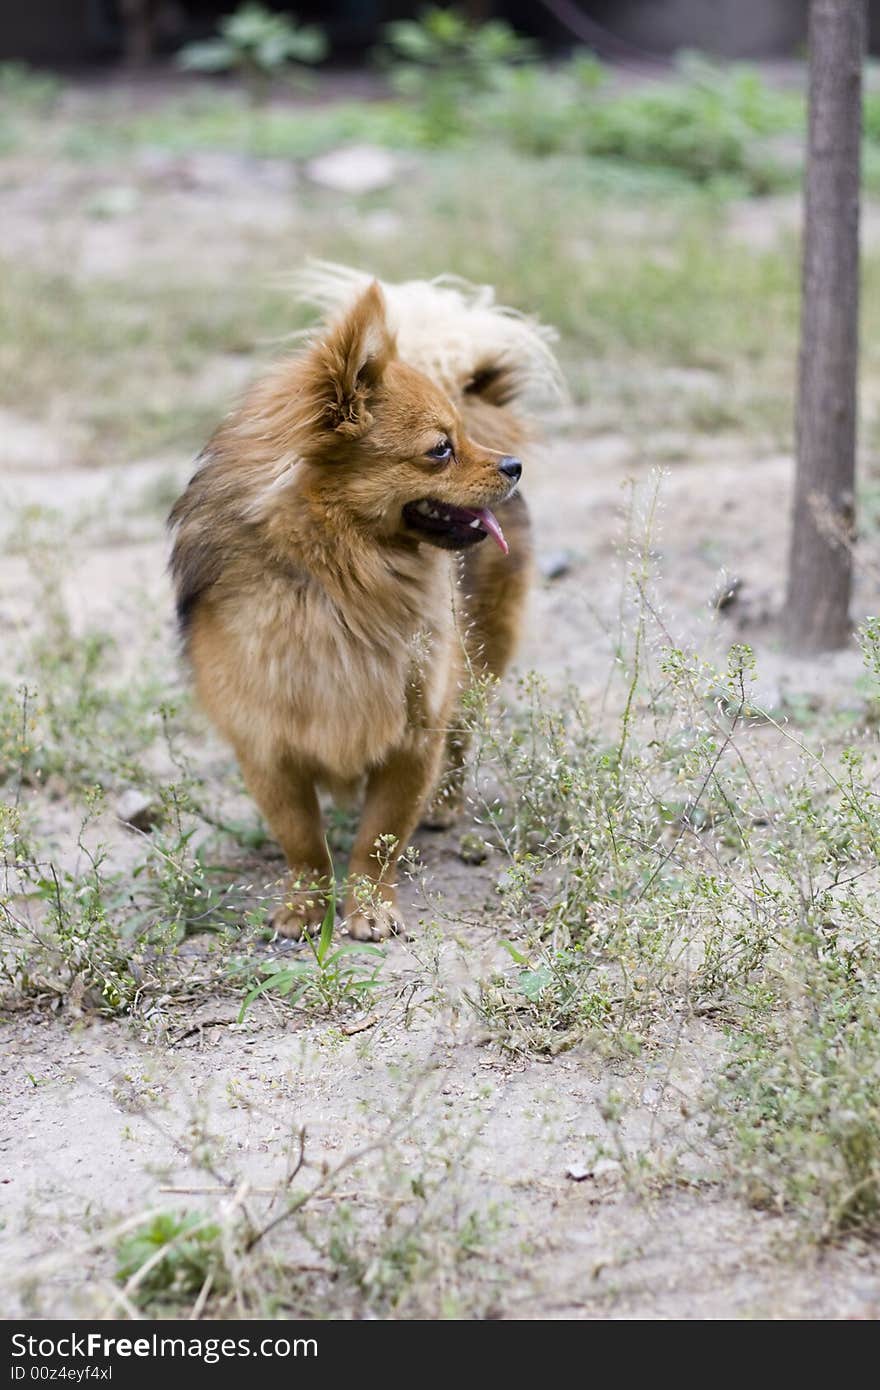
[339, 565]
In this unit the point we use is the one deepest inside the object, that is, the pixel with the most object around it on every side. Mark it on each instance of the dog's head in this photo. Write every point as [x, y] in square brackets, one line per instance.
[387, 438]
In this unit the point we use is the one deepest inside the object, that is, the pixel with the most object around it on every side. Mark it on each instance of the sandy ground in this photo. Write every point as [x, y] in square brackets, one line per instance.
[97, 1119]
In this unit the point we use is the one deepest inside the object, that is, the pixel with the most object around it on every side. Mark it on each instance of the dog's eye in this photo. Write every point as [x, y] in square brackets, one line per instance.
[441, 451]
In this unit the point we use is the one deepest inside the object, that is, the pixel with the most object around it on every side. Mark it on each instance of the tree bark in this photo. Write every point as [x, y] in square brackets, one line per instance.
[820, 560]
[138, 31]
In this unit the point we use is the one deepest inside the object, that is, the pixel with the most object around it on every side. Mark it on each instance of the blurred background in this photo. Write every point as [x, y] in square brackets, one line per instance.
[629, 172]
[89, 31]
[83, 31]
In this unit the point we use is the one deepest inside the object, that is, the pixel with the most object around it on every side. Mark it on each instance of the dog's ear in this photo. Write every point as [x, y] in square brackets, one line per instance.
[343, 370]
[493, 382]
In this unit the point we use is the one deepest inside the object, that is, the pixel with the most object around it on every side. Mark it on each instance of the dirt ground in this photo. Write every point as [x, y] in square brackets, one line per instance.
[97, 1118]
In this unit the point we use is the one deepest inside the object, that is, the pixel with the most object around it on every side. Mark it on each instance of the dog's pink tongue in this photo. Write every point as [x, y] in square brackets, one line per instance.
[489, 522]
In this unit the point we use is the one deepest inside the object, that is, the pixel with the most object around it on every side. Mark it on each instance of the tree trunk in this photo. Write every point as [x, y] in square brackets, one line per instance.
[820, 560]
[138, 31]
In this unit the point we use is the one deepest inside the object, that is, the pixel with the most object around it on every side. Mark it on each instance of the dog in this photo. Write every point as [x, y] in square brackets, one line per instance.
[351, 549]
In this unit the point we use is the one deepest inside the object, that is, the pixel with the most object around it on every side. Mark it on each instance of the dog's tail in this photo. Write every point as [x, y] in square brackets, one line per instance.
[451, 330]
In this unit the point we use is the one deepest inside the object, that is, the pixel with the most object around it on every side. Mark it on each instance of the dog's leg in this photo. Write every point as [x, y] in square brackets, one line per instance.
[495, 591]
[395, 795]
[289, 803]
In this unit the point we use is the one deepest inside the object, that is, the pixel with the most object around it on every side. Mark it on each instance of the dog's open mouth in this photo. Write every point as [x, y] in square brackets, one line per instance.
[454, 528]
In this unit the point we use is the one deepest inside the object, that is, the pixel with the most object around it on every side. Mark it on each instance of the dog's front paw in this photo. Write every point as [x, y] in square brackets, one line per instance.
[375, 922]
[301, 913]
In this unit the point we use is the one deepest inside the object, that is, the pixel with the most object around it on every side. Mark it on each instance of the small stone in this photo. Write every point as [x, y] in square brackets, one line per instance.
[137, 810]
[472, 849]
[553, 564]
[577, 1172]
[603, 1170]
[726, 594]
[353, 169]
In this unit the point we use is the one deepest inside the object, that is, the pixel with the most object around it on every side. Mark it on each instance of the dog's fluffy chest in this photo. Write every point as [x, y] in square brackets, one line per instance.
[356, 698]
[339, 686]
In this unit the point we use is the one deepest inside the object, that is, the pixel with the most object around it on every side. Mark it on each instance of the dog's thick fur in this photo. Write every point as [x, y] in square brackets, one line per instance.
[328, 630]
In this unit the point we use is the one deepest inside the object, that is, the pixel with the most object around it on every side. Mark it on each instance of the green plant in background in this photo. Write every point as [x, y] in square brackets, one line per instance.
[258, 44]
[425, 1244]
[170, 1258]
[24, 93]
[57, 940]
[23, 87]
[708, 122]
[443, 62]
[871, 105]
[106, 940]
[800, 1097]
[554, 1000]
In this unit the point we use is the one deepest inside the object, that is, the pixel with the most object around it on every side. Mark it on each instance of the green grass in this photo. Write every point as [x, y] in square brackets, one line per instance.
[220, 121]
[170, 1258]
[799, 1097]
[327, 976]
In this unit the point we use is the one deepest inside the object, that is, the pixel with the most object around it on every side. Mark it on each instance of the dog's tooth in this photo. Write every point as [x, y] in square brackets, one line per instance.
[475, 524]
[433, 512]
[424, 508]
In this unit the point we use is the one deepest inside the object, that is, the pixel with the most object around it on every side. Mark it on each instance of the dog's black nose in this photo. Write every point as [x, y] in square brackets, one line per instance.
[511, 468]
